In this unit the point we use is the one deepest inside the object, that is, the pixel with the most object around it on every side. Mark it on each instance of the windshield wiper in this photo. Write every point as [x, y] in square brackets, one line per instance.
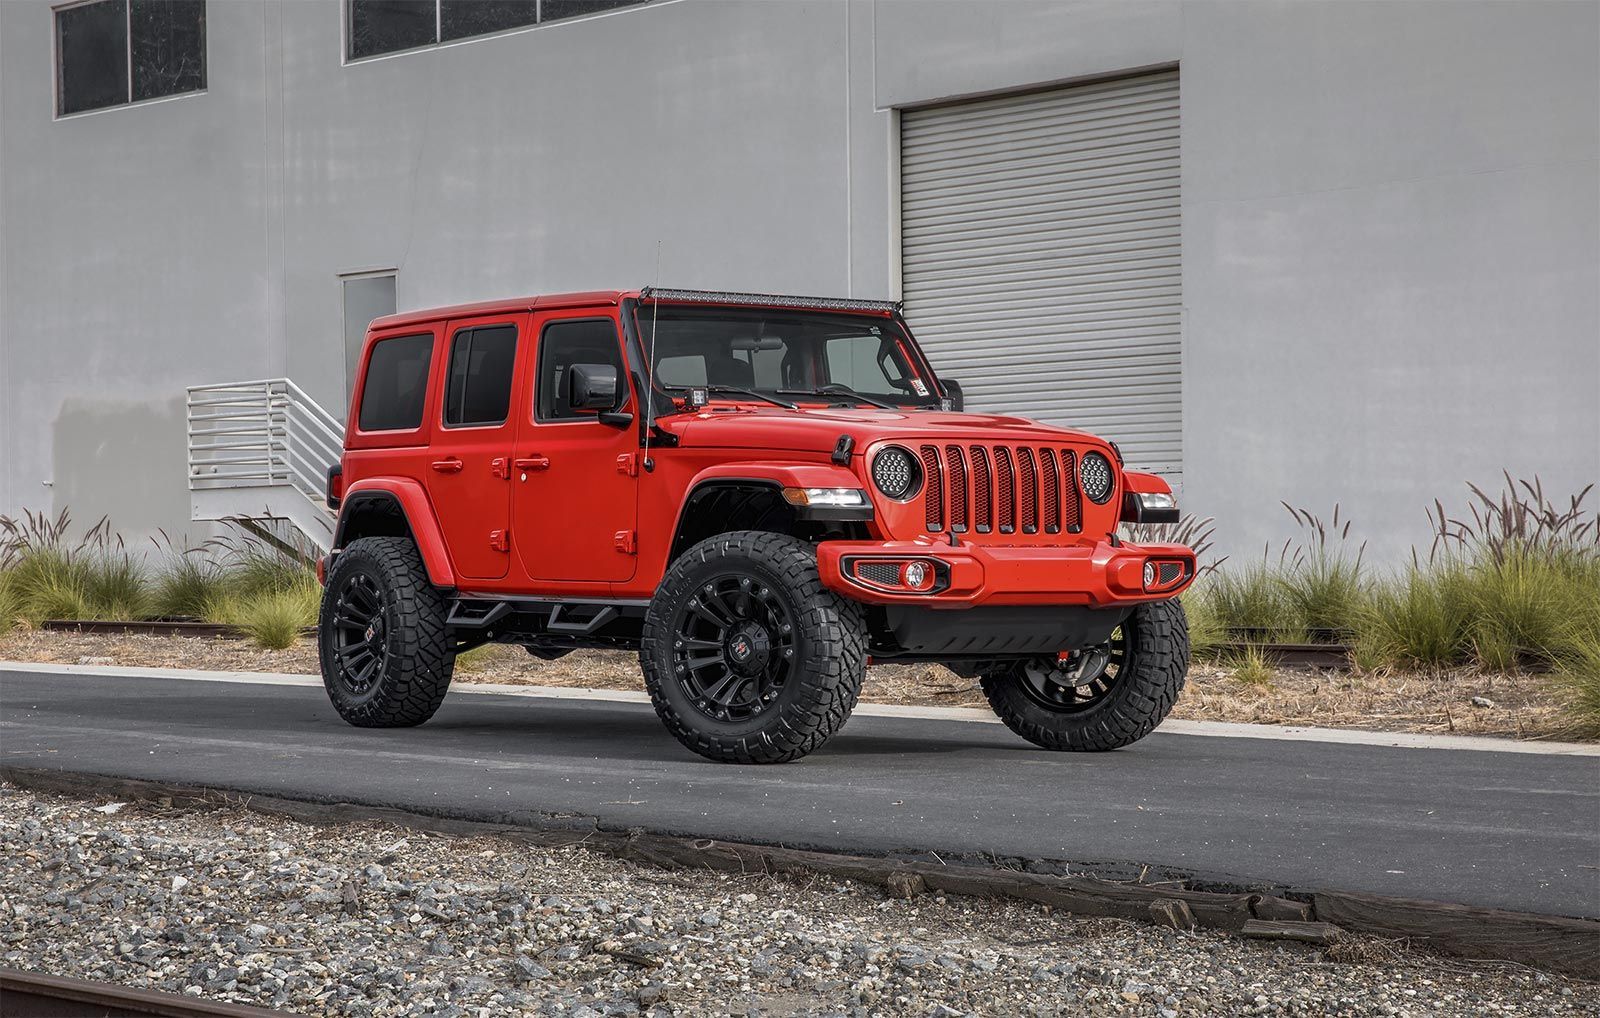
[836, 389]
[734, 390]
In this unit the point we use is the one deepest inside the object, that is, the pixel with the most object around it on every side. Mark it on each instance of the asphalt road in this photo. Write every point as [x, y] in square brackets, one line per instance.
[1519, 831]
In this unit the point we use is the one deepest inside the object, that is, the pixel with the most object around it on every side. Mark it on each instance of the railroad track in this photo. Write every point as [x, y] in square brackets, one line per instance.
[36, 995]
[159, 628]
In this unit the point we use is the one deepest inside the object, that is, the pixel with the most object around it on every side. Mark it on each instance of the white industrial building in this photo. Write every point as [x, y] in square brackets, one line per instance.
[1316, 252]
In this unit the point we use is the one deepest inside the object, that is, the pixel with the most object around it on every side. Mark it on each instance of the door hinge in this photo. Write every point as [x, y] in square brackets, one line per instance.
[500, 466]
[628, 463]
[499, 540]
[626, 543]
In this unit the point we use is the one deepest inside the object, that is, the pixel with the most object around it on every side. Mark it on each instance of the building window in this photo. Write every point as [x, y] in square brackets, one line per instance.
[113, 52]
[376, 27]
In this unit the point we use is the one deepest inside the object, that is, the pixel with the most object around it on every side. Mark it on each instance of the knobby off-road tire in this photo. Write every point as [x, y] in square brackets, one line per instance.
[386, 658]
[792, 653]
[1136, 692]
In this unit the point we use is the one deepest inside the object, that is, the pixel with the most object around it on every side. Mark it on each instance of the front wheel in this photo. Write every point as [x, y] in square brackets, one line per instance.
[1103, 697]
[747, 656]
[386, 657]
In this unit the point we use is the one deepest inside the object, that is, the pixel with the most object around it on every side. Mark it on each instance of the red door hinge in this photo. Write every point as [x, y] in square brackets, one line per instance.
[501, 468]
[626, 543]
[628, 464]
[499, 540]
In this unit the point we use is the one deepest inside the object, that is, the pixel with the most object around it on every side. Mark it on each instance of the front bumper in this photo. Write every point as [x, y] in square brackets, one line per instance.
[1097, 574]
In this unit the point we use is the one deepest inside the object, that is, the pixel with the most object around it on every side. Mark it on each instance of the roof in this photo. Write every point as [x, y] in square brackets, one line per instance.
[507, 305]
[591, 298]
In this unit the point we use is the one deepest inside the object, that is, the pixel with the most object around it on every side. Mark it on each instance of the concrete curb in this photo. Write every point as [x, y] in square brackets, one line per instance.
[1565, 945]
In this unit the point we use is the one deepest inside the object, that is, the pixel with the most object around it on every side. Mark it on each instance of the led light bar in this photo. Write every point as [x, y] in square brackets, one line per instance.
[652, 293]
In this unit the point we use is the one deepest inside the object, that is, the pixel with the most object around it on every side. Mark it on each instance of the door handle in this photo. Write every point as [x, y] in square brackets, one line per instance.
[531, 463]
[447, 466]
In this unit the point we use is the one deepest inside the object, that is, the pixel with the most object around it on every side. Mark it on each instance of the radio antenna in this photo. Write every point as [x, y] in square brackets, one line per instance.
[650, 370]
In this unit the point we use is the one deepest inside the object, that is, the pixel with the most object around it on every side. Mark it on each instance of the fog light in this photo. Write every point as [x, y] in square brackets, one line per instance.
[1149, 575]
[916, 575]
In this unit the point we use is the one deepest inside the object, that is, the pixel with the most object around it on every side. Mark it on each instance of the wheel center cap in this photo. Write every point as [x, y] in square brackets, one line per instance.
[748, 647]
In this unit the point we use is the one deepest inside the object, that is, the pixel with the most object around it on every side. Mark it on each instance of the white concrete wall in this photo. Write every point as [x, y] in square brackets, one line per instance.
[133, 261]
[1391, 222]
[1391, 257]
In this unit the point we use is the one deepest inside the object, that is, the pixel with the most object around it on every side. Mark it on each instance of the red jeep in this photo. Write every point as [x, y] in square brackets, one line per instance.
[762, 495]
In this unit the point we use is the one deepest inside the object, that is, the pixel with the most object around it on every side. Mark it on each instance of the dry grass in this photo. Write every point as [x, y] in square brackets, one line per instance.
[1526, 706]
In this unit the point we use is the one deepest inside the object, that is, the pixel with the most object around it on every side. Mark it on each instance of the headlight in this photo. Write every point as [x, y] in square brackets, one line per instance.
[896, 473]
[1152, 500]
[1098, 480]
[836, 498]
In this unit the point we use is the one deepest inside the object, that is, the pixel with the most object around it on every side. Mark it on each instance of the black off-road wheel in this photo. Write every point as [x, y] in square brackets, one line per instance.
[1102, 697]
[747, 656]
[386, 658]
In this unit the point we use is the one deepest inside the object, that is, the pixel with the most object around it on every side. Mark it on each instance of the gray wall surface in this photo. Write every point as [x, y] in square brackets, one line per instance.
[1391, 217]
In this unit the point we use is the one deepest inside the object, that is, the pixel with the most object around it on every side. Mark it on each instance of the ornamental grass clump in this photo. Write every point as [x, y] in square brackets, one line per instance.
[273, 619]
[189, 583]
[266, 588]
[1251, 603]
[255, 565]
[1529, 571]
[1250, 666]
[1323, 587]
[52, 577]
[1421, 619]
[10, 605]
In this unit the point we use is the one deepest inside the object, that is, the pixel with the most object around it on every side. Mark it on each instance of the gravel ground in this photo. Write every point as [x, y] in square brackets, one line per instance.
[1518, 706]
[370, 920]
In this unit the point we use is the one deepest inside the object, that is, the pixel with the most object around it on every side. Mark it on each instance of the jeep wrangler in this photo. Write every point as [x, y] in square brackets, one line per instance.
[762, 495]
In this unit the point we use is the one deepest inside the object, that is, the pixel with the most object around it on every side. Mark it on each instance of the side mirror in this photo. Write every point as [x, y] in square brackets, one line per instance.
[953, 394]
[592, 387]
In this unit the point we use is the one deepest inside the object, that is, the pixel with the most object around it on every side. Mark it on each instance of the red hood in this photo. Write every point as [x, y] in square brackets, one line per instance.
[818, 430]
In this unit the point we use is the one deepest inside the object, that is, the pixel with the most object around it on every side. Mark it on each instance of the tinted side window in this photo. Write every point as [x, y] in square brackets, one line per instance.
[563, 345]
[479, 392]
[396, 384]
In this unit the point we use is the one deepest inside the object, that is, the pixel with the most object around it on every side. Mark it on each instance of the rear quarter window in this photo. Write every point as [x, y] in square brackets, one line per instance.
[396, 384]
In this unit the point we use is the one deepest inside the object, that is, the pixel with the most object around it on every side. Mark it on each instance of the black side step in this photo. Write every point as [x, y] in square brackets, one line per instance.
[472, 614]
[604, 614]
[546, 621]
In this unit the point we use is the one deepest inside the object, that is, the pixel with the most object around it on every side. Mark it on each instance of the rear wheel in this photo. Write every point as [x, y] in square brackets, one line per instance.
[386, 659]
[1101, 697]
[747, 656]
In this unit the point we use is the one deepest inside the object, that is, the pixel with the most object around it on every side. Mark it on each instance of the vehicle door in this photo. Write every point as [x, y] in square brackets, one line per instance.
[575, 475]
[470, 466]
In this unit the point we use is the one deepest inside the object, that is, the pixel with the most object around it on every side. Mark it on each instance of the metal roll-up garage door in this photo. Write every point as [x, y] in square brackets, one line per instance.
[1040, 256]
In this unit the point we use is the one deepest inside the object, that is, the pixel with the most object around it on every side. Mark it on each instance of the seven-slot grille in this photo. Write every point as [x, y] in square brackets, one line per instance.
[1001, 489]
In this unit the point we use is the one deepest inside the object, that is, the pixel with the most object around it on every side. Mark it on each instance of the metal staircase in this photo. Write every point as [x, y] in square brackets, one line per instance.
[260, 451]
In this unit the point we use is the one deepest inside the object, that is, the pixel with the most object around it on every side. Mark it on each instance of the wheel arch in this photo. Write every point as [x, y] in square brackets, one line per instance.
[749, 496]
[395, 507]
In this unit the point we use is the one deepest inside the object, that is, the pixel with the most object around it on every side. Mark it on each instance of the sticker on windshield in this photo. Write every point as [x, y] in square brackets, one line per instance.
[919, 387]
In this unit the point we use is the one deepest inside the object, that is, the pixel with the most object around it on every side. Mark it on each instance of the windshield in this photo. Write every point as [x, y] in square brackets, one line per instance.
[795, 356]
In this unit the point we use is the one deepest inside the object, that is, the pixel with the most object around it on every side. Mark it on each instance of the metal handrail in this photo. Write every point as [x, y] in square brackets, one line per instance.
[264, 431]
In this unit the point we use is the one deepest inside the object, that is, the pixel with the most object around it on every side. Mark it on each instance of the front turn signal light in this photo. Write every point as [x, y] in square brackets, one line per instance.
[839, 498]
